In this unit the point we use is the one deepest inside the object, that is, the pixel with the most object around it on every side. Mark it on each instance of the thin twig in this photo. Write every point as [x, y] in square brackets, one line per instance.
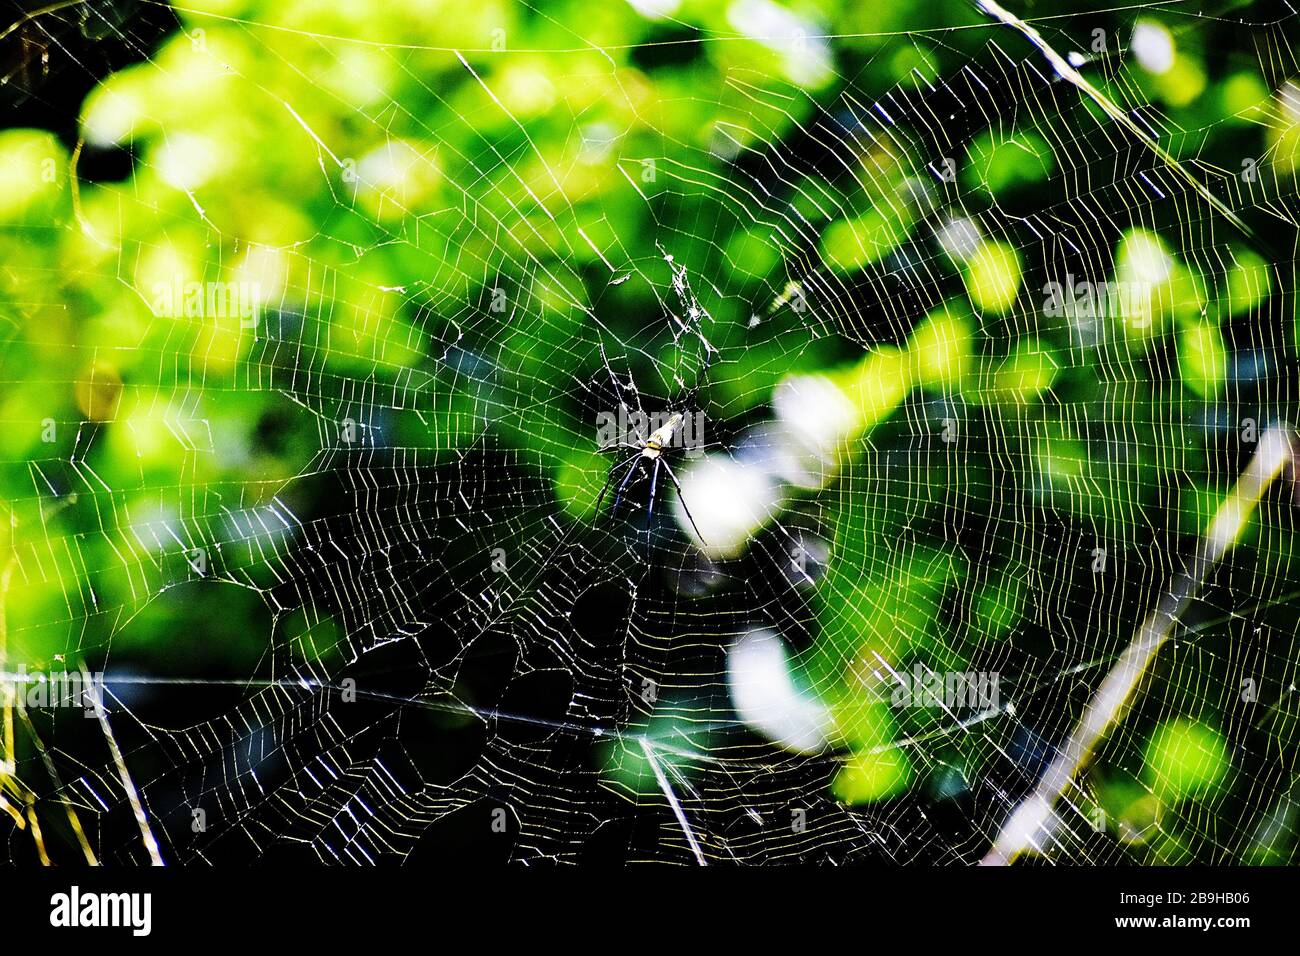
[37, 838]
[146, 833]
[1071, 75]
[1032, 819]
[8, 692]
[9, 760]
[74, 820]
[673, 802]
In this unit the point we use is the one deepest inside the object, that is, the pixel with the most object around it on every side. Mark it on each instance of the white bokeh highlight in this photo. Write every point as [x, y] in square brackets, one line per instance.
[767, 699]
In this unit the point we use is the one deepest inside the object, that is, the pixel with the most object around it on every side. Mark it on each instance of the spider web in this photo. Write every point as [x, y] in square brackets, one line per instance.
[334, 548]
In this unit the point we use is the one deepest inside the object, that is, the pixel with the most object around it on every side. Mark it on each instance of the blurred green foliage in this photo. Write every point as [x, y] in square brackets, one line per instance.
[372, 186]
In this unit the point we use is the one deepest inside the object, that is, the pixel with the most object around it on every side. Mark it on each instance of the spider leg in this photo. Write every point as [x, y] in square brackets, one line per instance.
[654, 482]
[609, 479]
[682, 498]
[650, 507]
[636, 460]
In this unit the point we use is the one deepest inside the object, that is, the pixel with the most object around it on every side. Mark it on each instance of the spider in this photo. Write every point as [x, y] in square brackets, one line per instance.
[646, 450]
[650, 449]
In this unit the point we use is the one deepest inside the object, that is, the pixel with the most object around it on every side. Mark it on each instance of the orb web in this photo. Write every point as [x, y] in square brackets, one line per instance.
[978, 329]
